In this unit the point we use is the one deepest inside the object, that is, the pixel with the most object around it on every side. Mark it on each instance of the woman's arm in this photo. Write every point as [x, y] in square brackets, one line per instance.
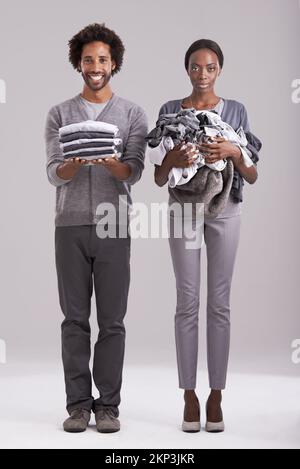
[161, 172]
[248, 173]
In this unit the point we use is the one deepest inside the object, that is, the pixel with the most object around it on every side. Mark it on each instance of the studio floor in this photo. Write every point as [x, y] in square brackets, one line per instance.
[260, 411]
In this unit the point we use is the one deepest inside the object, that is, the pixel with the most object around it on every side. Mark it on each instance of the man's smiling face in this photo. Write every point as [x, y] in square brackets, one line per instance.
[96, 65]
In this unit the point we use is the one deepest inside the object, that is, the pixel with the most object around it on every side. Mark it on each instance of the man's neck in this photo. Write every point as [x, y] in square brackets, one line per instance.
[100, 96]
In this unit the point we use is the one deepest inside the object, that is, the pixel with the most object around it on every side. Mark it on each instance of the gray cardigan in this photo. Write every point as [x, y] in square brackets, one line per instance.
[77, 199]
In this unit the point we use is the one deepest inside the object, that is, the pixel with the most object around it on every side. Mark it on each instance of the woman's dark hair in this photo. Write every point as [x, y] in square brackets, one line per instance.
[96, 32]
[203, 44]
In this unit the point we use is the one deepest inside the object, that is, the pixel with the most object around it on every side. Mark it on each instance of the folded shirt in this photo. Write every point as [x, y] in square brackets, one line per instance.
[84, 135]
[86, 146]
[100, 142]
[92, 153]
[88, 125]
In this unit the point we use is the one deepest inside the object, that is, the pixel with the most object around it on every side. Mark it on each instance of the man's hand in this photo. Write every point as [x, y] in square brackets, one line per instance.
[117, 168]
[108, 162]
[69, 168]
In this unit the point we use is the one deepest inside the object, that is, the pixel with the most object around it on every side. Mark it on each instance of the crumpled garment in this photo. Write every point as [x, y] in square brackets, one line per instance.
[173, 129]
[182, 126]
[191, 126]
[212, 188]
[201, 182]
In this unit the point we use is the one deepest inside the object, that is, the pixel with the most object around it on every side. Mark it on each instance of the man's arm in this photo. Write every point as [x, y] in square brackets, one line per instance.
[59, 171]
[133, 157]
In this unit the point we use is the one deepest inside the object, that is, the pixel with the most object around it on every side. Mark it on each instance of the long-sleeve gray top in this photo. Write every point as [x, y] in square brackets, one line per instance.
[77, 199]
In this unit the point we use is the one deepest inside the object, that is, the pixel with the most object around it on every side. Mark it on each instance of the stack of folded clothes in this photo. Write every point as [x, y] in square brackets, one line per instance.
[90, 140]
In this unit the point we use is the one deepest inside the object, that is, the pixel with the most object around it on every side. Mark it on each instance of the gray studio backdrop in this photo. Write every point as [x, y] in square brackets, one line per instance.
[260, 41]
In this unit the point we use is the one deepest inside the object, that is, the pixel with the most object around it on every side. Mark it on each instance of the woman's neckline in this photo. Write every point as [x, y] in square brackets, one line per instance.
[209, 109]
[219, 107]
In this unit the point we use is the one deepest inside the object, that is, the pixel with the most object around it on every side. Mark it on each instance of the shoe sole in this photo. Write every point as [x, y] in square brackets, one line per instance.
[108, 431]
[191, 431]
[75, 431]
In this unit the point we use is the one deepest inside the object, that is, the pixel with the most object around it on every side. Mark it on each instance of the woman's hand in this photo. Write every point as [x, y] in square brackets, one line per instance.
[224, 149]
[179, 157]
[182, 156]
[219, 150]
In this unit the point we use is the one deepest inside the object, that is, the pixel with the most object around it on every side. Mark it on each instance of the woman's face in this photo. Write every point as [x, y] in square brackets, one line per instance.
[203, 70]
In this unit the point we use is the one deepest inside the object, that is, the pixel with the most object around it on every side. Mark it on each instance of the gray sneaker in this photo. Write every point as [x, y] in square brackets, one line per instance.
[78, 421]
[106, 421]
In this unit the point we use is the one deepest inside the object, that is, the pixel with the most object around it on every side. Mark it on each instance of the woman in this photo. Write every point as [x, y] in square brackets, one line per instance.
[203, 63]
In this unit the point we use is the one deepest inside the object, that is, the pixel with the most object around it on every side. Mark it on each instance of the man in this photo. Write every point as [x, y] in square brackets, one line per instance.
[84, 259]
